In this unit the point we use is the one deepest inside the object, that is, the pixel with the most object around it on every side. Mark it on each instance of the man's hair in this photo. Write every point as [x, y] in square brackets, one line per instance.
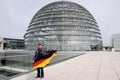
[39, 44]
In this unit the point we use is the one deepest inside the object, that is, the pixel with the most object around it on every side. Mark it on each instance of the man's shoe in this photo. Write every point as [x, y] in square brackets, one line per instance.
[37, 76]
[42, 77]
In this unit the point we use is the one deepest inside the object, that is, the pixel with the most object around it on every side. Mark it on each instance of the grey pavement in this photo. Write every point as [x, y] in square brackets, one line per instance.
[99, 65]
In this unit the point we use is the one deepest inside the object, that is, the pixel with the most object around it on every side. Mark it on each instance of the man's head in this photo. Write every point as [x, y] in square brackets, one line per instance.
[40, 46]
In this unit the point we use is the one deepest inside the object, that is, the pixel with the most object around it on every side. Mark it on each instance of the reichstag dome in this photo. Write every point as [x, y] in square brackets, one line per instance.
[65, 26]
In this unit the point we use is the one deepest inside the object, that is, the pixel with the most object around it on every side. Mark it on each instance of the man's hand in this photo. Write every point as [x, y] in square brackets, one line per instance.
[32, 61]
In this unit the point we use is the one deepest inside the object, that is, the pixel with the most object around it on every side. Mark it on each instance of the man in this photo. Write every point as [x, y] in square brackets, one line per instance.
[42, 58]
[38, 55]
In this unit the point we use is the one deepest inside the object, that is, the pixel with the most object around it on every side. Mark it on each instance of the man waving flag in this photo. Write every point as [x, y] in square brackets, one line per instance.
[41, 59]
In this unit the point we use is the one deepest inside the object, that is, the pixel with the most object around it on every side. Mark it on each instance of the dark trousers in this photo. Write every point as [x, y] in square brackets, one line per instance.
[40, 72]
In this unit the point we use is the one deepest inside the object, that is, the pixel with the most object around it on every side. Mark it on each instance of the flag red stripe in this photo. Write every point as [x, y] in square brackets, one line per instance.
[39, 62]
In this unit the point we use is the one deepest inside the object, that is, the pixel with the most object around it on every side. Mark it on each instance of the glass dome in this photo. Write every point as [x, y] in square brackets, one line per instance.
[65, 26]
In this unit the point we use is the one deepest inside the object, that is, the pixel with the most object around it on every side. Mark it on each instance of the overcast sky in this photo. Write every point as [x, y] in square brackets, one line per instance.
[15, 16]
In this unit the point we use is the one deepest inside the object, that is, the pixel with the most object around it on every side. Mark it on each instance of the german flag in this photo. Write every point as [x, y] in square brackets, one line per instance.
[46, 60]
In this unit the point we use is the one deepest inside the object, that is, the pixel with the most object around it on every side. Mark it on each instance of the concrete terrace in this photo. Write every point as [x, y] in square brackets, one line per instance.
[99, 65]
